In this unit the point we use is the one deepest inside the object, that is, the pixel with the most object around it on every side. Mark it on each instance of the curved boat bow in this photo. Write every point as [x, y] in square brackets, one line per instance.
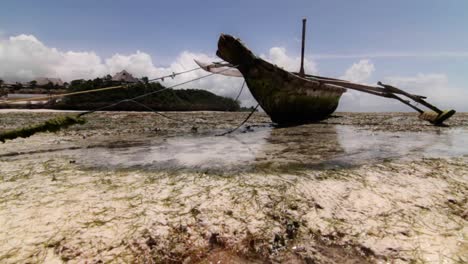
[286, 97]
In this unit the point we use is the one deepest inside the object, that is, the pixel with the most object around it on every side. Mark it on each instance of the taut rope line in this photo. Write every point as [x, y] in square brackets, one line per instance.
[146, 94]
[56, 124]
[243, 122]
[48, 97]
[42, 98]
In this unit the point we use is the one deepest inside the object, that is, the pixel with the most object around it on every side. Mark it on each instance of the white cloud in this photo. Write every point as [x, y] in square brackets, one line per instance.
[24, 57]
[352, 100]
[359, 72]
[279, 56]
[139, 63]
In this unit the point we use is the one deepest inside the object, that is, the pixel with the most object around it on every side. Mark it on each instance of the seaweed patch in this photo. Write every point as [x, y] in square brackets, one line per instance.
[51, 125]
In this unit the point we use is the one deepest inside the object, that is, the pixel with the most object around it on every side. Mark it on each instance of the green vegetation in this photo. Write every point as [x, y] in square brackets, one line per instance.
[51, 125]
[33, 84]
[2, 90]
[167, 100]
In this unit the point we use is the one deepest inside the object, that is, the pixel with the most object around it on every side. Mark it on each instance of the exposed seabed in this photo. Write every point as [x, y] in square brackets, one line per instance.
[136, 187]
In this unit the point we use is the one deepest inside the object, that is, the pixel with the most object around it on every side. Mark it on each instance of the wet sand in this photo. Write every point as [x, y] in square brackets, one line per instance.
[138, 187]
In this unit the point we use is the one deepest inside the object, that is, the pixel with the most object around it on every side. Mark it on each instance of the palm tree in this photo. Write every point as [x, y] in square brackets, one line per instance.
[33, 84]
[17, 86]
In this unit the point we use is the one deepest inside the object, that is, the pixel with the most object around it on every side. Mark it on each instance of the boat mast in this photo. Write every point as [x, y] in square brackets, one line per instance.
[301, 71]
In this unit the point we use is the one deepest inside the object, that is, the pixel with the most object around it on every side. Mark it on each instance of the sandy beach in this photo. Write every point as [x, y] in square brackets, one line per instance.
[133, 187]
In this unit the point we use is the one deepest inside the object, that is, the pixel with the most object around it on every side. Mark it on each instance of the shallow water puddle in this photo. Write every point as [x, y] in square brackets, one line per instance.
[364, 146]
[195, 152]
[308, 146]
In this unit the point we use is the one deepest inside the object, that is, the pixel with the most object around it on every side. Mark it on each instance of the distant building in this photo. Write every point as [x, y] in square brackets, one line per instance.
[124, 76]
[42, 81]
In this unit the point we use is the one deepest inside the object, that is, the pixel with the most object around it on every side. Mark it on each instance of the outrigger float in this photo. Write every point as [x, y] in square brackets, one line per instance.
[292, 98]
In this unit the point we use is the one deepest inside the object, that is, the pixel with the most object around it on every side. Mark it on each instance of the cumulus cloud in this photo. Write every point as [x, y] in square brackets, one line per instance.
[279, 56]
[140, 64]
[359, 72]
[351, 101]
[24, 58]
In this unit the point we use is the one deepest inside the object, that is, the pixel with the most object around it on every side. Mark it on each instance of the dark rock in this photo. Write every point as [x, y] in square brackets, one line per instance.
[151, 242]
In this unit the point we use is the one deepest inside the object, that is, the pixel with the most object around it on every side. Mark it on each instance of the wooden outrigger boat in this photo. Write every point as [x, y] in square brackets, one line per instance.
[289, 98]
[297, 98]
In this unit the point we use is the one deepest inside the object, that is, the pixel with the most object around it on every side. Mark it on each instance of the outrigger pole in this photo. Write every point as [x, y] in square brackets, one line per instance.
[437, 117]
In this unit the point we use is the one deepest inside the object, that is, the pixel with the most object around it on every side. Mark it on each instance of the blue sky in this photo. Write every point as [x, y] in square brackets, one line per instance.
[167, 27]
[399, 38]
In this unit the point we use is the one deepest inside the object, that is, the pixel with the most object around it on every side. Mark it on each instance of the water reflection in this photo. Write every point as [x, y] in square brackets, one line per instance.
[307, 146]
[363, 146]
[201, 153]
[281, 149]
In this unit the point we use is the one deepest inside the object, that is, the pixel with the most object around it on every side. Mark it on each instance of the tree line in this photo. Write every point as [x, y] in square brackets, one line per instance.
[166, 100]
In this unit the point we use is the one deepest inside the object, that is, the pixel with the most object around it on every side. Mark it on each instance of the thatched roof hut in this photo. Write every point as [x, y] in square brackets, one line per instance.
[124, 76]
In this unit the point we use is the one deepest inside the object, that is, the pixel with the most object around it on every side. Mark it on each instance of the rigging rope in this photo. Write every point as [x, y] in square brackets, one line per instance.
[48, 97]
[174, 74]
[242, 88]
[146, 94]
[63, 122]
[243, 122]
[166, 116]
[156, 112]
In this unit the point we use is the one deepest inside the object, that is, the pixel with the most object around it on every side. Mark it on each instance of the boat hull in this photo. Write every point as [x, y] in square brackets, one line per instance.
[286, 97]
[292, 100]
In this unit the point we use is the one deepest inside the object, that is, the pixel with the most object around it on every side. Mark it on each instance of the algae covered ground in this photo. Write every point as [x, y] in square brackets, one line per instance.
[143, 188]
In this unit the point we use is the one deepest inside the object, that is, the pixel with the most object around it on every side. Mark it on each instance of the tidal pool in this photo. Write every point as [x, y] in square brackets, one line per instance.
[319, 146]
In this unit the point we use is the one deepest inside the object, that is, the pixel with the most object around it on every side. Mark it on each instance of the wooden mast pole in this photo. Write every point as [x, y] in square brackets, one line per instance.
[301, 71]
